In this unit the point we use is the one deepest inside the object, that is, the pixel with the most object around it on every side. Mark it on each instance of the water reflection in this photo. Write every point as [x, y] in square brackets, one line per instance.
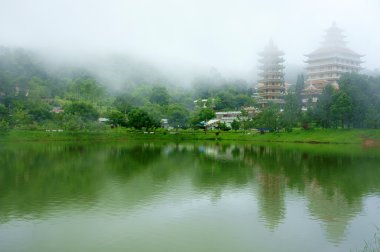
[38, 181]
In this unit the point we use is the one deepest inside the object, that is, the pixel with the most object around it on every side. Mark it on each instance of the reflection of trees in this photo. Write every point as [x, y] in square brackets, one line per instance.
[37, 176]
[34, 176]
[333, 183]
[336, 187]
[219, 166]
[126, 160]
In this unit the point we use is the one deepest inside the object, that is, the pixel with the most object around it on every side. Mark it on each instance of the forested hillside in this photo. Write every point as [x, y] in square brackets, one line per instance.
[34, 96]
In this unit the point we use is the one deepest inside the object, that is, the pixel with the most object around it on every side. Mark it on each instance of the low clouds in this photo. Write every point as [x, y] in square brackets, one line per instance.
[223, 34]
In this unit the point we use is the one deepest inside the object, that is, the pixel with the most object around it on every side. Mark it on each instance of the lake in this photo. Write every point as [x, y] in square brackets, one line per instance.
[159, 196]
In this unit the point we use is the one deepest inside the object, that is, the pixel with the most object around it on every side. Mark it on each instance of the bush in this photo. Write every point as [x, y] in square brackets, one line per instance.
[4, 125]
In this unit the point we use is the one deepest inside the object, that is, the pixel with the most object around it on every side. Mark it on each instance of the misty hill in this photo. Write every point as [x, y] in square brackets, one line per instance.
[118, 73]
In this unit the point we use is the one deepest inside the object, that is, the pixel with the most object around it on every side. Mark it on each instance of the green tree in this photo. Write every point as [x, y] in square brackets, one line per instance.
[117, 118]
[139, 119]
[86, 89]
[223, 126]
[206, 114]
[323, 113]
[341, 108]
[4, 125]
[84, 110]
[269, 117]
[291, 114]
[20, 117]
[3, 112]
[159, 95]
[37, 88]
[358, 88]
[178, 115]
[6, 87]
[155, 111]
[235, 125]
[72, 122]
[123, 103]
[300, 85]
[39, 110]
[201, 115]
[242, 100]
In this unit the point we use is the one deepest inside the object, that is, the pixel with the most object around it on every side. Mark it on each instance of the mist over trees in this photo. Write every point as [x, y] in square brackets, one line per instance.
[33, 96]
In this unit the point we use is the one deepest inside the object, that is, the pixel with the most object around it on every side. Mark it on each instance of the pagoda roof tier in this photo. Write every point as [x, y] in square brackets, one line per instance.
[317, 82]
[271, 53]
[271, 60]
[271, 65]
[271, 87]
[321, 79]
[271, 73]
[268, 68]
[271, 94]
[334, 36]
[277, 80]
[329, 71]
[333, 64]
[271, 49]
[333, 58]
[272, 82]
[277, 101]
[328, 50]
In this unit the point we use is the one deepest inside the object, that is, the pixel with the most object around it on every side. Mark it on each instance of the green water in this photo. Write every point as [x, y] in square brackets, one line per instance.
[187, 197]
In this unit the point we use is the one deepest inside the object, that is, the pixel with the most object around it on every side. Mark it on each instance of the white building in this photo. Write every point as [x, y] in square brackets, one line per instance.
[327, 63]
[228, 117]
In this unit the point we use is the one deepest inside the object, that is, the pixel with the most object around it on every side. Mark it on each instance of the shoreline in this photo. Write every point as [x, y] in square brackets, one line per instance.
[367, 137]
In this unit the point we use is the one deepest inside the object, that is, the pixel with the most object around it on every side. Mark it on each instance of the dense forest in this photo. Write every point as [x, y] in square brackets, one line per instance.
[32, 96]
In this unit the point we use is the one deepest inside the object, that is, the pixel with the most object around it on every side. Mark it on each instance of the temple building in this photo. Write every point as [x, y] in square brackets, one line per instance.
[328, 63]
[271, 86]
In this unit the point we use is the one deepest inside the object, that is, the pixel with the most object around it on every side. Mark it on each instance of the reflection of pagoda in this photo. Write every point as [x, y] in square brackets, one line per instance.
[329, 62]
[332, 209]
[271, 197]
[271, 87]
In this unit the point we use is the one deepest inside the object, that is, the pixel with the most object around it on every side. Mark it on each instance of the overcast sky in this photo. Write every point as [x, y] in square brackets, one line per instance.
[219, 33]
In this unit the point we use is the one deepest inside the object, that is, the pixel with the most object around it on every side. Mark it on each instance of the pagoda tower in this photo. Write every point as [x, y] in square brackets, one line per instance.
[330, 61]
[271, 86]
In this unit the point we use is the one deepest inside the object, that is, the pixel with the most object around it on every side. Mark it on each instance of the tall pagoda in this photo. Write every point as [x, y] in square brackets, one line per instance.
[271, 87]
[329, 62]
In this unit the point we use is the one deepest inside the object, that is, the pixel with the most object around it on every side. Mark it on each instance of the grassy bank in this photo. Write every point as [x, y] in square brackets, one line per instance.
[353, 136]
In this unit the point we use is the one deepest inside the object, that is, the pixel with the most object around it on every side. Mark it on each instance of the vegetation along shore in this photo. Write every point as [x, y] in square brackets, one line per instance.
[368, 138]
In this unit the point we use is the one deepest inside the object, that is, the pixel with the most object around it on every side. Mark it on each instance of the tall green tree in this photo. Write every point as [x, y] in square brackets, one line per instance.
[178, 115]
[341, 108]
[300, 85]
[139, 119]
[372, 119]
[323, 113]
[86, 111]
[117, 118]
[3, 112]
[292, 112]
[206, 114]
[123, 103]
[86, 89]
[269, 117]
[159, 95]
[358, 88]
[235, 125]
[202, 115]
